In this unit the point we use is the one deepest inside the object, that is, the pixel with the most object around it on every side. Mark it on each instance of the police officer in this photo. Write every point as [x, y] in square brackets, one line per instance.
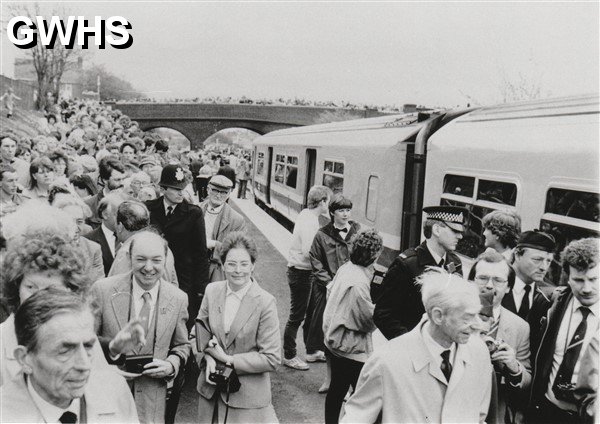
[398, 306]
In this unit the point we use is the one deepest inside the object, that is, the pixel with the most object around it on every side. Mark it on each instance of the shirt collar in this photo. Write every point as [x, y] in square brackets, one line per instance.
[51, 413]
[110, 235]
[437, 258]
[167, 206]
[519, 286]
[594, 308]
[496, 312]
[216, 210]
[138, 291]
[241, 292]
[434, 347]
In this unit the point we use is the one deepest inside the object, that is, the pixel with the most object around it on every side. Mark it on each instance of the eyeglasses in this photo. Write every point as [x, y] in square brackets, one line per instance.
[219, 192]
[484, 279]
[234, 266]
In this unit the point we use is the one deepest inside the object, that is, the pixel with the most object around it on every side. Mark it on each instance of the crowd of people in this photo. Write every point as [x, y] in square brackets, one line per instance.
[124, 265]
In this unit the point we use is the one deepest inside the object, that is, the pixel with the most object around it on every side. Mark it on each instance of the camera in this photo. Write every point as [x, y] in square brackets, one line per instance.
[492, 344]
[225, 378]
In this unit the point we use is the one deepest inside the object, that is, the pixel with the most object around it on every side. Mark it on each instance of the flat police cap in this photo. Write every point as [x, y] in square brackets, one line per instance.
[221, 181]
[453, 216]
[173, 176]
[537, 240]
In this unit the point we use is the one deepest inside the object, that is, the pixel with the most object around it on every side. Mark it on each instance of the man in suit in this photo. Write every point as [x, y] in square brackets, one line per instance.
[55, 335]
[160, 308]
[568, 328]
[435, 373]
[227, 171]
[220, 220]
[529, 297]
[507, 337]
[105, 235]
[111, 174]
[398, 306]
[182, 225]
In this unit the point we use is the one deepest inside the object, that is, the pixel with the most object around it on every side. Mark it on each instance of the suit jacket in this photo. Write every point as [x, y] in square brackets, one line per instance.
[227, 222]
[186, 236]
[402, 381]
[93, 202]
[538, 309]
[113, 296]
[93, 254]
[398, 306]
[107, 400]
[513, 400]
[227, 171]
[107, 257]
[253, 340]
[549, 327]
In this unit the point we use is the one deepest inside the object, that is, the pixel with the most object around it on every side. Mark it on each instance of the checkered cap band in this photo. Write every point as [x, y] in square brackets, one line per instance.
[447, 217]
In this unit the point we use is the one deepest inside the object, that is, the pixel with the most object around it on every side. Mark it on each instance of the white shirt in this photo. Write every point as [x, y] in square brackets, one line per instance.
[210, 218]
[518, 293]
[111, 239]
[51, 413]
[138, 300]
[233, 300]
[167, 206]
[307, 225]
[346, 228]
[569, 324]
[435, 348]
[437, 258]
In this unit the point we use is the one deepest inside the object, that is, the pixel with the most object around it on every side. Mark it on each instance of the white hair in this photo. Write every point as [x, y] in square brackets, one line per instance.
[35, 216]
[440, 289]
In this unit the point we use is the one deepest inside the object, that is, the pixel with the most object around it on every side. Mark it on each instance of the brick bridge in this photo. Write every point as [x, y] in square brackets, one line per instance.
[198, 121]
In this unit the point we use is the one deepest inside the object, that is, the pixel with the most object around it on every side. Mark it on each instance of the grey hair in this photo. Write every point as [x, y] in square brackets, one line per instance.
[440, 289]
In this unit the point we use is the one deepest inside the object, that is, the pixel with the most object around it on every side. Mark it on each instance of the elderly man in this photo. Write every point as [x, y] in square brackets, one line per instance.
[507, 336]
[160, 307]
[568, 328]
[182, 225]
[55, 332]
[10, 198]
[220, 220]
[530, 296]
[435, 373]
[105, 235]
[398, 306]
[133, 217]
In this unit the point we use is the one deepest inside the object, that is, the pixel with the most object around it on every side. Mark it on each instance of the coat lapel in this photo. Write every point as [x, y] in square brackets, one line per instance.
[221, 223]
[421, 356]
[247, 308]
[461, 361]
[166, 305]
[218, 309]
[181, 213]
[121, 301]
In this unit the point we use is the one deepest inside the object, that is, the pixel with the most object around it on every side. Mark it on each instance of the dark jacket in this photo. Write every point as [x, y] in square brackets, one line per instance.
[399, 308]
[549, 327]
[539, 307]
[107, 258]
[186, 236]
[227, 171]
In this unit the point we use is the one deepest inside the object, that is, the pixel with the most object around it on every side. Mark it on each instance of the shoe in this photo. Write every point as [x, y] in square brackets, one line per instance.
[318, 356]
[295, 363]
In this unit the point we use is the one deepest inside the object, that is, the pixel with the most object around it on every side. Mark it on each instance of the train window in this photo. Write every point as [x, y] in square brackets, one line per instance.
[574, 204]
[372, 198]
[459, 185]
[497, 192]
[279, 168]
[333, 176]
[260, 163]
[291, 171]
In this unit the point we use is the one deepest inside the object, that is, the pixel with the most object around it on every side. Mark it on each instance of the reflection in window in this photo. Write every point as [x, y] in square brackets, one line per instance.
[260, 163]
[497, 192]
[574, 204]
[372, 197]
[292, 174]
[333, 176]
[336, 184]
[459, 185]
[279, 171]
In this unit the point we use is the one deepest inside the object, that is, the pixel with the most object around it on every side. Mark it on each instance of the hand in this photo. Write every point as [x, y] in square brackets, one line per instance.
[129, 338]
[216, 351]
[506, 355]
[159, 369]
[211, 366]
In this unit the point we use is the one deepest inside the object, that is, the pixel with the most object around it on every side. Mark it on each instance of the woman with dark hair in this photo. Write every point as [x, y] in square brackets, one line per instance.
[348, 320]
[237, 325]
[329, 251]
[42, 175]
[84, 185]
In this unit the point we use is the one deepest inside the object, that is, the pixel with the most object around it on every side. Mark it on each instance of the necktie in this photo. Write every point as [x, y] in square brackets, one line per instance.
[562, 386]
[524, 309]
[68, 418]
[117, 243]
[343, 232]
[169, 211]
[144, 316]
[446, 367]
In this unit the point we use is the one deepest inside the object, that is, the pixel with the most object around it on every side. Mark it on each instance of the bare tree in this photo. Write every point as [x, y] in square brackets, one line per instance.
[50, 64]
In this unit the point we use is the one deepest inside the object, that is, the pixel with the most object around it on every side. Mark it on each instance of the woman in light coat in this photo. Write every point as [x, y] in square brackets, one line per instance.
[238, 325]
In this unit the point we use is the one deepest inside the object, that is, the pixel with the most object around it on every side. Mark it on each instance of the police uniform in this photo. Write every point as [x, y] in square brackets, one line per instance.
[399, 308]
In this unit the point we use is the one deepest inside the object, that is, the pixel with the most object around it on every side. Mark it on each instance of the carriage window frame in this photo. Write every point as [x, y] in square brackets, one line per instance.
[291, 164]
[336, 171]
[260, 163]
[284, 165]
[372, 197]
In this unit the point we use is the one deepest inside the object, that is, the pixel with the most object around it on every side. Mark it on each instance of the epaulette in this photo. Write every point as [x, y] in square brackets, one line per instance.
[407, 254]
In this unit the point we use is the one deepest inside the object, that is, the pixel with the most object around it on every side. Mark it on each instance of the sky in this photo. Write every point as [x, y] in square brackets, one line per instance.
[428, 53]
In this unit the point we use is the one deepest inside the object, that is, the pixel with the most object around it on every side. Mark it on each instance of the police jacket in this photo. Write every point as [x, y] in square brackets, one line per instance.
[399, 308]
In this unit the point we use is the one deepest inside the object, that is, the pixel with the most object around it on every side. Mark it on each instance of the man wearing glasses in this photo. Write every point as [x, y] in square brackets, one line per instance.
[219, 220]
[507, 337]
[398, 307]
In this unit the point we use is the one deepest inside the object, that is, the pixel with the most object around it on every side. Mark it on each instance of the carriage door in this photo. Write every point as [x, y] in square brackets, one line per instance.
[269, 170]
[311, 166]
